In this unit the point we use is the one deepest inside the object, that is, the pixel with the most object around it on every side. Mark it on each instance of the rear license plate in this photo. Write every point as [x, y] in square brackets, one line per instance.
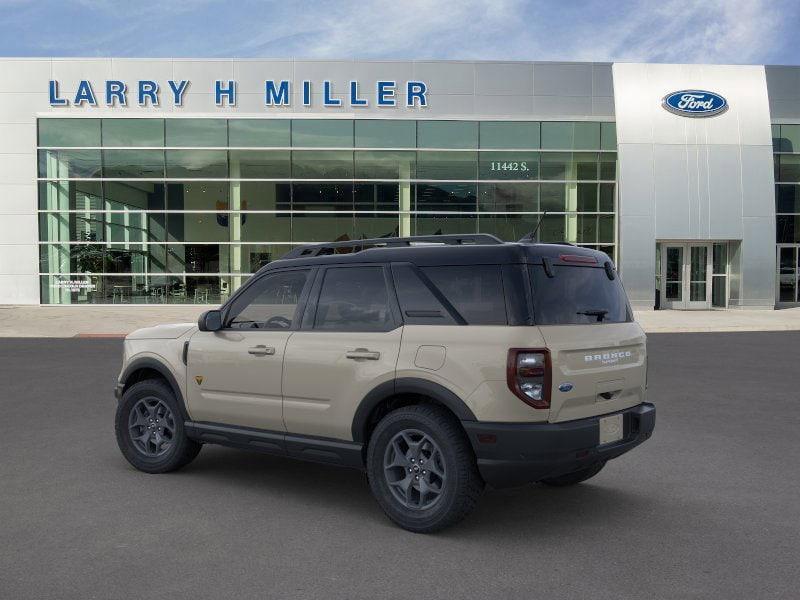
[610, 429]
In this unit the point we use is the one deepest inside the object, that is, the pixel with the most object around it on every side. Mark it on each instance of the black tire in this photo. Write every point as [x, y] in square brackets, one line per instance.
[460, 485]
[575, 476]
[175, 449]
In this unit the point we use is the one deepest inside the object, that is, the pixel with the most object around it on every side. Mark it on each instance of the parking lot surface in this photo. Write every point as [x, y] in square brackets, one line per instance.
[708, 508]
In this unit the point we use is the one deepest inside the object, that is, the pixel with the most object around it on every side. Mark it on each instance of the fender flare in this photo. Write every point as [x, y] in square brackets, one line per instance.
[147, 362]
[407, 385]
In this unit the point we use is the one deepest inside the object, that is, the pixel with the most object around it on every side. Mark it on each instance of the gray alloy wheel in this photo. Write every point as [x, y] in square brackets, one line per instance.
[151, 426]
[414, 469]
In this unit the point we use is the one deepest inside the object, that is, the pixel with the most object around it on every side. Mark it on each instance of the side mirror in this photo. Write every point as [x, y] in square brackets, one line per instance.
[211, 320]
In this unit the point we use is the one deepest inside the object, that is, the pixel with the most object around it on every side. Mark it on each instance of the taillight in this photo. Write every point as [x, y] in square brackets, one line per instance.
[528, 375]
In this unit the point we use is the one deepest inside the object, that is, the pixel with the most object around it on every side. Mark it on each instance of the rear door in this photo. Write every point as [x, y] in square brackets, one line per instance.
[598, 353]
[347, 345]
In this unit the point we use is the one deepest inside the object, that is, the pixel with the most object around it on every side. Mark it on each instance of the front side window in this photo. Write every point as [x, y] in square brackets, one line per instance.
[354, 299]
[270, 303]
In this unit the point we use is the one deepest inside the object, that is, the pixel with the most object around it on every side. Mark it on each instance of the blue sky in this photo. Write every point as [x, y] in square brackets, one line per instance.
[710, 31]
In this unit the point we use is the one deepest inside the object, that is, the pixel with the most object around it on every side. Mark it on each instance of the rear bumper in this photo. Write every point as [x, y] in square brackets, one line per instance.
[528, 452]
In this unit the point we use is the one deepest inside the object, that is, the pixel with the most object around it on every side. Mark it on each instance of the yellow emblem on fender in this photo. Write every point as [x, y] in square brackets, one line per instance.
[198, 379]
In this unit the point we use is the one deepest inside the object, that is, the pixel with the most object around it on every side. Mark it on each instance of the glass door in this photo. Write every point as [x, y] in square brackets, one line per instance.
[672, 264]
[686, 272]
[788, 275]
[699, 276]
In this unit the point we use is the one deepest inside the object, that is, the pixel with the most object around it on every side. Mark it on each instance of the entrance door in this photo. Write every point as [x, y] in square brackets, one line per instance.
[686, 273]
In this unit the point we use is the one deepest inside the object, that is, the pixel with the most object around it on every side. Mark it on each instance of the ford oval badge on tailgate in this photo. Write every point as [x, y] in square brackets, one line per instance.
[565, 387]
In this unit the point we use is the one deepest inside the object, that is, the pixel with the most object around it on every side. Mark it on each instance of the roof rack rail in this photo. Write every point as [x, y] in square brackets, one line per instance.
[352, 246]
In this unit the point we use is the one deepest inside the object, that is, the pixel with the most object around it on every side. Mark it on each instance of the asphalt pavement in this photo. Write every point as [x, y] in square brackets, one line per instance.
[708, 508]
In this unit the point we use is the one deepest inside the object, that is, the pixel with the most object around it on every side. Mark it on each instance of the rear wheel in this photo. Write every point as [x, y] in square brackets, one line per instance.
[150, 430]
[575, 476]
[422, 470]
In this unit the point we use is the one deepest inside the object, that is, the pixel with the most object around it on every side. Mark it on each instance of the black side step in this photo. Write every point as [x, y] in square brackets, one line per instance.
[315, 449]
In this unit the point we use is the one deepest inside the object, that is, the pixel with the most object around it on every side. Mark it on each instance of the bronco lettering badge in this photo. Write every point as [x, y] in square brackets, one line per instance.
[607, 358]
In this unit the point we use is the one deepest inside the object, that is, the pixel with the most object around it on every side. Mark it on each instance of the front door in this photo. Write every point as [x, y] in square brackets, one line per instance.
[686, 275]
[347, 346]
[235, 374]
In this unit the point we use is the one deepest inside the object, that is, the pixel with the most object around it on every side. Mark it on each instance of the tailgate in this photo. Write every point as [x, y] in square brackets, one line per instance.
[601, 367]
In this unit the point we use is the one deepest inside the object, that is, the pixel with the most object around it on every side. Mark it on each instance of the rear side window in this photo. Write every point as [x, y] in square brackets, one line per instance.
[475, 291]
[354, 299]
[577, 295]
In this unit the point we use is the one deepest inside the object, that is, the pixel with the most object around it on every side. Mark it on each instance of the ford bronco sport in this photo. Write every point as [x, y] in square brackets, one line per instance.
[436, 364]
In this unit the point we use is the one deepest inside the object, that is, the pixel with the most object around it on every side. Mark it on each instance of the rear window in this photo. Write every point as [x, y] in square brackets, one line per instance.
[578, 295]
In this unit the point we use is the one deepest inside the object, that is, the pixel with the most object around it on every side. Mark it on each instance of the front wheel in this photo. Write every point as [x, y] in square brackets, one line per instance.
[150, 430]
[422, 470]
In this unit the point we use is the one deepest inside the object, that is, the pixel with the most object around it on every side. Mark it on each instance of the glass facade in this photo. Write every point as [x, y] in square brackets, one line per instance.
[786, 148]
[184, 210]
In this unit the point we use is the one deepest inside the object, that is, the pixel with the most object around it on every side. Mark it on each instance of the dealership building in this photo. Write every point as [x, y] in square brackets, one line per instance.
[166, 181]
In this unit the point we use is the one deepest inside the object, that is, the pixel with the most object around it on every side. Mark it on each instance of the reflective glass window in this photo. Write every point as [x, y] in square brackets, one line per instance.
[322, 227]
[384, 133]
[608, 166]
[447, 165]
[197, 163]
[134, 195]
[260, 164]
[132, 164]
[444, 224]
[608, 136]
[509, 134]
[606, 197]
[66, 133]
[508, 227]
[322, 164]
[787, 198]
[553, 197]
[447, 134]
[788, 229]
[382, 196]
[196, 133]
[133, 132]
[70, 195]
[261, 195]
[376, 225]
[586, 136]
[557, 165]
[586, 167]
[264, 227]
[587, 197]
[259, 133]
[322, 196]
[198, 195]
[387, 164]
[508, 197]
[790, 138]
[446, 197]
[557, 135]
[64, 164]
[789, 170]
[605, 229]
[322, 133]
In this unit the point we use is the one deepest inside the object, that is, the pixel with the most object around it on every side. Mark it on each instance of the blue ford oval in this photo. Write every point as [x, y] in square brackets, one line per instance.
[695, 103]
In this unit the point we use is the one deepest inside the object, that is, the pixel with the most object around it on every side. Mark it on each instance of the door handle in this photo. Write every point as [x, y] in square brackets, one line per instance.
[261, 350]
[363, 353]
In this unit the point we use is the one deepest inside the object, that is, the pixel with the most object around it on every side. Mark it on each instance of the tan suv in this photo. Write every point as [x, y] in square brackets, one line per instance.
[435, 364]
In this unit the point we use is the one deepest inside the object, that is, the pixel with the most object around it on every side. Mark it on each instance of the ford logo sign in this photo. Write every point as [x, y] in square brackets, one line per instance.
[565, 387]
[695, 103]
